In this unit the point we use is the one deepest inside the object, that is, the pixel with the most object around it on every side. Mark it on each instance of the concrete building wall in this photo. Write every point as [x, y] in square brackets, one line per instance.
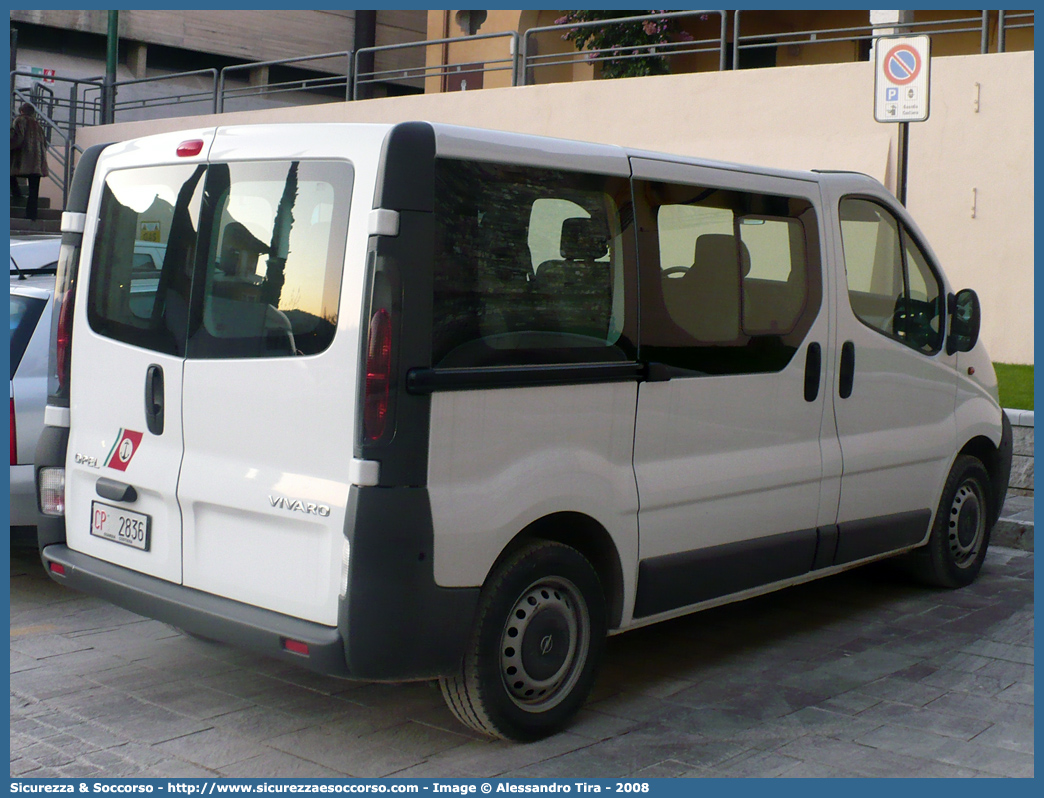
[268, 36]
[971, 163]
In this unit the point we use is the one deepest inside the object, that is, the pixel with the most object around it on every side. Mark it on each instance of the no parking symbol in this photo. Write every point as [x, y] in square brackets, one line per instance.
[903, 64]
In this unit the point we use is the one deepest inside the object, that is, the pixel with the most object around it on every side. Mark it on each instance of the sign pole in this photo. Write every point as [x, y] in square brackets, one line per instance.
[904, 160]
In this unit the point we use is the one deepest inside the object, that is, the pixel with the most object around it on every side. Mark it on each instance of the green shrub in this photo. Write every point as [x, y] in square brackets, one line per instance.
[1016, 385]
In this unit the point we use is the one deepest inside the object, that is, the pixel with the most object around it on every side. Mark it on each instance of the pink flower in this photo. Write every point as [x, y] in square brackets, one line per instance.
[561, 20]
[649, 27]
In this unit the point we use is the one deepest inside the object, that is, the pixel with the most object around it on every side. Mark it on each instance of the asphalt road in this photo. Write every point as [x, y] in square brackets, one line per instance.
[855, 675]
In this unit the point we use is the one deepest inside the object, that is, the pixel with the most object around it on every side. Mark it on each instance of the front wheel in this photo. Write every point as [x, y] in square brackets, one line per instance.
[539, 634]
[961, 532]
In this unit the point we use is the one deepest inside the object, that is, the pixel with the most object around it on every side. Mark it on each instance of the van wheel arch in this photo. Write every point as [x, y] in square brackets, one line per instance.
[997, 463]
[591, 539]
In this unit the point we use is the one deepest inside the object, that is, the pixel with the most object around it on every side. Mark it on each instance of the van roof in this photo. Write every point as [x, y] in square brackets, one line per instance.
[537, 150]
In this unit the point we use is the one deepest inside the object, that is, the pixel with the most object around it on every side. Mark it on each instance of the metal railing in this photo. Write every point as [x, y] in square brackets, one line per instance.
[531, 60]
[510, 63]
[63, 116]
[1007, 21]
[185, 98]
[222, 92]
[979, 24]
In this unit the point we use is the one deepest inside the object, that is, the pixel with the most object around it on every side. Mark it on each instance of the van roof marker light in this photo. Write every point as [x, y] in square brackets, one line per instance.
[189, 148]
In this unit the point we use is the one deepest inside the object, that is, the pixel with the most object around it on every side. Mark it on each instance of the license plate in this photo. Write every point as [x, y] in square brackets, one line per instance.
[120, 525]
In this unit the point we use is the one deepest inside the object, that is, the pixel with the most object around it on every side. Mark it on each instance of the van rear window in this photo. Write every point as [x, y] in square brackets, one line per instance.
[529, 266]
[152, 212]
[233, 260]
[271, 253]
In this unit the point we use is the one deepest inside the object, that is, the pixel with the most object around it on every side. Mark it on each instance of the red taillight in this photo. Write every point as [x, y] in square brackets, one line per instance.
[189, 148]
[295, 646]
[378, 375]
[63, 342]
[14, 442]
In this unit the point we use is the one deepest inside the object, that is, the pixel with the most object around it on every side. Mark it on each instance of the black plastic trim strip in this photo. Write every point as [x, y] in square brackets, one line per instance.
[998, 466]
[397, 623]
[200, 613]
[116, 491]
[884, 533]
[406, 171]
[689, 577]
[425, 380]
[405, 183]
[83, 178]
[51, 450]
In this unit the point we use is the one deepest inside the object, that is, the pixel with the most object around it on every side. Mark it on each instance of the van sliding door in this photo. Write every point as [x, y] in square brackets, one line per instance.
[734, 331]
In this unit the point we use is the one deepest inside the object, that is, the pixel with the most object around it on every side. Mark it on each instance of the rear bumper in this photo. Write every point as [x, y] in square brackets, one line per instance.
[395, 624]
[201, 613]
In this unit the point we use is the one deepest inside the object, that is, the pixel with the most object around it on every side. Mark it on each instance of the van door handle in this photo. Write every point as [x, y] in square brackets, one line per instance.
[154, 399]
[813, 365]
[847, 376]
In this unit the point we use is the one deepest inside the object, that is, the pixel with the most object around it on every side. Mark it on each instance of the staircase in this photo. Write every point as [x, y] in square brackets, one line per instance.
[49, 220]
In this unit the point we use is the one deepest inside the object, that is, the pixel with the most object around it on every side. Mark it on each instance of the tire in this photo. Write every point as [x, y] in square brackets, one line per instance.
[538, 637]
[961, 532]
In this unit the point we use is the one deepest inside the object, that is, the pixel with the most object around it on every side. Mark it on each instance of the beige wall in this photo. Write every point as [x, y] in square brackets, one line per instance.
[801, 117]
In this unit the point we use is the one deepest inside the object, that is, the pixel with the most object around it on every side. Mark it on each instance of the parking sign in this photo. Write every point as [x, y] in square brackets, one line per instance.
[901, 78]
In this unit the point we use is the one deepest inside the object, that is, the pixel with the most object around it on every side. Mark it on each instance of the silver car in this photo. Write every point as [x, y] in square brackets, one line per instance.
[33, 263]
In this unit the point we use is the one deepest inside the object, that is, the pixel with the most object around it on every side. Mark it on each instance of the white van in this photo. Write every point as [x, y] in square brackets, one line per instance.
[420, 401]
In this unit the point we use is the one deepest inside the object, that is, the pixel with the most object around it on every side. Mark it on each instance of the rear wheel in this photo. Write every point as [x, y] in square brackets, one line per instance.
[538, 637]
[961, 532]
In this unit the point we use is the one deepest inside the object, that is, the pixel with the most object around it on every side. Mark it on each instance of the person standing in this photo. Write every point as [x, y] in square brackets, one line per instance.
[28, 157]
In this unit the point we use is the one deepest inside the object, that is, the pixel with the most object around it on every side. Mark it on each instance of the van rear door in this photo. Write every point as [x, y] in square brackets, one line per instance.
[125, 442]
[269, 381]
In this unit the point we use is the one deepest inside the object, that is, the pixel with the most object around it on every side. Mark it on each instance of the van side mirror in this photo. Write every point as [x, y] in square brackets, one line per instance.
[965, 317]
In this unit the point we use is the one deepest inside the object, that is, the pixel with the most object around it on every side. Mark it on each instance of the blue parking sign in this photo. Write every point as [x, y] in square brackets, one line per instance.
[892, 94]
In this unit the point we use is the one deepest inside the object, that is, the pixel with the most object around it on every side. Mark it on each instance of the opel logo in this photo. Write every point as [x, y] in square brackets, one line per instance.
[546, 643]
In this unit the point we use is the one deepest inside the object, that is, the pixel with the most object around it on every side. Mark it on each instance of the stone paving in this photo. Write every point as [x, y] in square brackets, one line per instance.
[1015, 526]
[856, 675]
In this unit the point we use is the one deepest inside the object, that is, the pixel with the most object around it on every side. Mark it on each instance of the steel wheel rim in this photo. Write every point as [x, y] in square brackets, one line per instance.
[967, 524]
[544, 644]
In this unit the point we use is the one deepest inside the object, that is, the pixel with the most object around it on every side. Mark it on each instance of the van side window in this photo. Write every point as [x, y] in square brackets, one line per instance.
[272, 250]
[144, 254]
[529, 267]
[731, 280]
[891, 287]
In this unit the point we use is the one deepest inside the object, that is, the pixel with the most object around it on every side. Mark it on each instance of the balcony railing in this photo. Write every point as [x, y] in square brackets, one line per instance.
[63, 112]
